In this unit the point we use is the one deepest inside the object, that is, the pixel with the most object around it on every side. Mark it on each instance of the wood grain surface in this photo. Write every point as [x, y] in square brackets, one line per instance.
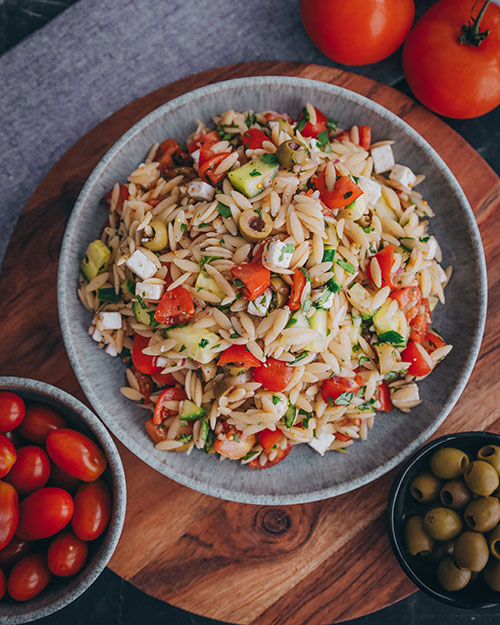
[315, 563]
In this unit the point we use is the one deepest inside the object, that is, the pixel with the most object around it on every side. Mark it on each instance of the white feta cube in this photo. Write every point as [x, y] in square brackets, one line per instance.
[383, 158]
[260, 305]
[149, 291]
[96, 335]
[403, 175]
[278, 254]
[371, 189]
[141, 265]
[196, 156]
[109, 321]
[200, 190]
[111, 350]
[162, 362]
[322, 443]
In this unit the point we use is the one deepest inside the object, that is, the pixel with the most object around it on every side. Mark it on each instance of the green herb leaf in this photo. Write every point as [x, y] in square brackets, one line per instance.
[392, 337]
[236, 437]
[290, 415]
[185, 438]
[250, 120]
[234, 335]
[345, 265]
[184, 227]
[323, 139]
[332, 124]
[239, 283]
[303, 119]
[288, 248]
[203, 343]
[423, 239]
[269, 159]
[204, 225]
[224, 210]
[141, 302]
[249, 455]
[222, 243]
[276, 400]
[362, 359]
[344, 399]
[305, 420]
[368, 229]
[255, 173]
[182, 348]
[301, 356]
[205, 260]
[292, 321]
[210, 440]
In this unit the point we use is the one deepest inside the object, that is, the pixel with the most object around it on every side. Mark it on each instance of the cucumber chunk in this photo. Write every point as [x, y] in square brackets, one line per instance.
[198, 343]
[253, 177]
[190, 411]
[95, 260]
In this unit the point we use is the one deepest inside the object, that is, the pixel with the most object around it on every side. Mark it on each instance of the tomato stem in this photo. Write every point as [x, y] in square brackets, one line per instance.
[471, 33]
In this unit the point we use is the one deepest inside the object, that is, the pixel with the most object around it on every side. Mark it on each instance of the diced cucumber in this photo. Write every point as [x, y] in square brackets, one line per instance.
[355, 210]
[128, 287]
[298, 320]
[382, 209]
[109, 296]
[233, 370]
[190, 411]
[319, 322]
[358, 295]
[198, 342]
[145, 316]
[333, 285]
[290, 415]
[328, 254]
[392, 329]
[253, 177]
[208, 370]
[95, 260]
[205, 281]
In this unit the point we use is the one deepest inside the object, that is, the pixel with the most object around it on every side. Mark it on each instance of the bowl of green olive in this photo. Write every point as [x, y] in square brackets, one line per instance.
[444, 519]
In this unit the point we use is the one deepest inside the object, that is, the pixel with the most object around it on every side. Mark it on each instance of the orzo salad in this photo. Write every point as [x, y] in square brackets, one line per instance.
[270, 284]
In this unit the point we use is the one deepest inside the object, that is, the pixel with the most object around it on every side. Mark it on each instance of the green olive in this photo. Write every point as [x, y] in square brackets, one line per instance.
[425, 487]
[454, 494]
[481, 478]
[290, 153]
[159, 238]
[442, 523]
[449, 463]
[491, 454]
[494, 542]
[443, 549]
[471, 551]
[491, 574]
[482, 514]
[284, 125]
[450, 576]
[255, 225]
[418, 542]
[280, 290]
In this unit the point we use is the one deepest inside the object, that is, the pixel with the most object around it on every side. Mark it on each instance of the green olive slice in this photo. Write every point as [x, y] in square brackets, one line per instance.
[255, 225]
[290, 153]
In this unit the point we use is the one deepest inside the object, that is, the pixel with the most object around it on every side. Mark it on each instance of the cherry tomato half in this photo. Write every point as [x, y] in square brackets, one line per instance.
[44, 513]
[7, 455]
[29, 577]
[12, 411]
[142, 362]
[31, 471]
[334, 387]
[67, 554]
[13, 552]
[274, 374]
[76, 454]
[39, 421]
[92, 510]
[413, 354]
[9, 513]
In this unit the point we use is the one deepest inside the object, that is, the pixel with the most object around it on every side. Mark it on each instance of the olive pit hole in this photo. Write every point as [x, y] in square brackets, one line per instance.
[495, 547]
[464, 463]
[257, 224]
[470, 520]
[446, 497]
[487, 451]
[417, 493]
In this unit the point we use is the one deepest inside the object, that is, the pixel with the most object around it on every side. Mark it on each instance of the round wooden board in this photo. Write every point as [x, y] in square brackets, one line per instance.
[314, 563]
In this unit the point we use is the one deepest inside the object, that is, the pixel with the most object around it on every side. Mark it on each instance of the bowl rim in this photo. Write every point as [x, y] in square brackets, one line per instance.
[44, 390]
[397, 491]
[469, 223]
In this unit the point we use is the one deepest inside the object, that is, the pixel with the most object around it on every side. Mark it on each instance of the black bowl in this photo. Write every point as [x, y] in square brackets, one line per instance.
[422, 570]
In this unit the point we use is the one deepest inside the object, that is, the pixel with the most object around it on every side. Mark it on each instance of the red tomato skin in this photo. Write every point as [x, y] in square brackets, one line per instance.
[12, 410]
[238, 355]
[274, 374]
[76, 454]
[13, 552]
[142, 362]
[9, 513]
[44, 513]
[63, 480]
[92, 510]
[281, 455]
[3, 584]
[453, 79]
[254, 138]
[8, 455]
[357, 32]
[333, 387]
[418, 366]
[169, 394]
[38, 422]
[156, 431]
[31, 471]
[384, 397]
[29, 577]
[269, 438]
[67, 554]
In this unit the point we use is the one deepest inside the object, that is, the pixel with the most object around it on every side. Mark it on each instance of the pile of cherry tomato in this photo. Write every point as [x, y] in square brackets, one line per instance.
[52, 502]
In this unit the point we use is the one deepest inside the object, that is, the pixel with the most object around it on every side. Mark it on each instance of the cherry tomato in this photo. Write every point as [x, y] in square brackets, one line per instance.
[384, 397]
[3, 584]
[409, 301]
[357, 32]
[421, 322]
[9, 513]
[412, 354]
[142, 362]
[13, 552]
[67, 554]
[385, 259]
[298, 284]
[169, 394]
[365, 137]
[452, 78]
[162, 379]
[274, 374]
[254, 138]
[64, 480]
[12, 411]
[44, 513]
[38, 422]
[15, 438]
[307, 128]
[238, 355]
[255, 277]
[123, 195]
[343, 438]
[29, 577]
[176, 306]
[76, 454]
[234, 445]
[7, 455]
[334, 387]
[269, 438]
[31, 471]
[92, 510]
[157, 432]
[281, 455]
[344, 193]
[207, 170]
[433, 341]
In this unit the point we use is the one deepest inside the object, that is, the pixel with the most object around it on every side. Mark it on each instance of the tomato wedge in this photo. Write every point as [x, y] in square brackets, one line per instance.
[298, 284]
[268, 438]
[281, 455]
[255, 277]
[309, 129]
[254, 138]
[238, 355]
[419, 365]
[157, 433]
[176, 306]
[274, 375]
[433, 341]
[420, 324]
[365, 137]
[343, 438]
[334, 387]
[384, 397]
[169, 394]
[207, 139]
[385, 260]
[122, 197]
[142, 362]
[170, 154]
[206, 171]
[408, 300]
[345, 191]
[163, 379]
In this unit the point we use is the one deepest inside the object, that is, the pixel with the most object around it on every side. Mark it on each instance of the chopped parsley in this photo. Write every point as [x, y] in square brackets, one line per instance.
[269, 159]
[323, 139]
[210, 440]
[304, 118]
[301, 356]
[224, 210]
[249, 455]
[234, 335]
[368, 229]
[367, 405]
[222, 243]
[205, 260]
[423, 239]
[184, 227]
[236, 437]
[225, 136]
[239, 283]
[291, 322]
[332, 124]
[204, 225]
[290, 415]
[182, 348]
[185, 438]
[362, 359]
[345, 265]
[203, 343]
[250, 119]
[255, 173]
[343, 399]
[276, 400]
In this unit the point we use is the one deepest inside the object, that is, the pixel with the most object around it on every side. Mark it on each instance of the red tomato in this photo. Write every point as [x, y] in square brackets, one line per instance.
[452, 78]
[433, 341]
[7, 455]
[67, 554]
[207, 170]
[9, 513]
[31, 471]
[169, 394]
[385, 260]
[145, 382]
[234, 445]
[76, 454]
[176, 306]
[365, 137]
[307, 128]
[384, 397]
[269, 438]
[3, 584]
[343, 438]
[92, 510]
[170, 154]
[343, 193]
[142, 362]
[421, 322]
[44, 513]
[208, 139]
[12, 411]
[255, 277]
[408, 300]
[39, 421]
[162, 379]
[419, 365]
[281, 455]
[64, 480]
[28, 578]
[238, 355]
[157, 432]
[357, 32]
[254, 138]
[122, 197]
[334, 387]
[13, 552]
[298, 284]
[274, 374]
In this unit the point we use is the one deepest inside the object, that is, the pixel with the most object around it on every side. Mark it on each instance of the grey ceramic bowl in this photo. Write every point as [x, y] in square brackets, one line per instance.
[62, 591]
[304, 476]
